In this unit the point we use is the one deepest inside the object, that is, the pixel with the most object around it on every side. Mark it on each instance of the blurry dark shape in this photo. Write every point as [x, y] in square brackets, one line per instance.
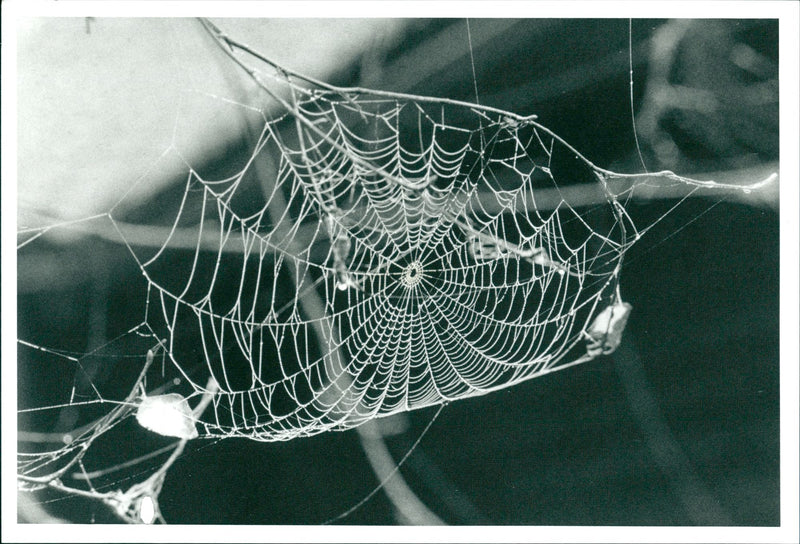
[711, 99]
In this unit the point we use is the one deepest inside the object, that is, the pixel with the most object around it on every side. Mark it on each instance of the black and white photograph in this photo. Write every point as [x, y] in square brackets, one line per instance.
[323, 271]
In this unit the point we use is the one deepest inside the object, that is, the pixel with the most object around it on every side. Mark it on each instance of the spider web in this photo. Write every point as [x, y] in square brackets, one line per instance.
[382, 272]
[376, 253]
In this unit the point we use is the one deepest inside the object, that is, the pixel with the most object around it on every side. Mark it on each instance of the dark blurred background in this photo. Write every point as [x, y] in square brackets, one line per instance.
[678, 427]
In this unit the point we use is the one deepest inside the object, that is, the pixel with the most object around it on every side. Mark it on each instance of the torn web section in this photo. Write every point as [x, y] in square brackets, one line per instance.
[72, 432]
[80, 341]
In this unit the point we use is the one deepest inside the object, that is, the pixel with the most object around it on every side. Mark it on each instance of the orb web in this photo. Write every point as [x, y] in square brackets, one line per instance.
[397, 259]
